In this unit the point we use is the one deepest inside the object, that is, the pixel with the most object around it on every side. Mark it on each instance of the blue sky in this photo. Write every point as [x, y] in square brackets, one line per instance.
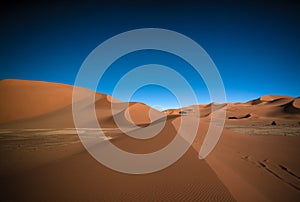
[254, 44]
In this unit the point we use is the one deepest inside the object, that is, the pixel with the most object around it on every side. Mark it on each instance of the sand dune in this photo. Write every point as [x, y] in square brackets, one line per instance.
[33, 104]
[264, 108]
[270, 107]
[296, 102]
[268, 98]
[25, 99]
[42, 158]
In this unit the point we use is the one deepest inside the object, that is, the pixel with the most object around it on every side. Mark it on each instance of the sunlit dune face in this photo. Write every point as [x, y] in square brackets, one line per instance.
[142, 114]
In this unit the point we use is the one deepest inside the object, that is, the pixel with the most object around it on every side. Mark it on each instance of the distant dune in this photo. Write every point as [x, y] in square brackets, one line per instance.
[270, 107]
[42, 158]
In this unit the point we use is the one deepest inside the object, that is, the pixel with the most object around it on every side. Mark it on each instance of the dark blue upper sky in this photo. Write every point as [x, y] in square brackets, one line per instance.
[254, 44]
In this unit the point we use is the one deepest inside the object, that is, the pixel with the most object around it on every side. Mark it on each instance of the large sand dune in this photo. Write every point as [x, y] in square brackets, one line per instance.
[24, 99]
[36, 104]
[42, 158]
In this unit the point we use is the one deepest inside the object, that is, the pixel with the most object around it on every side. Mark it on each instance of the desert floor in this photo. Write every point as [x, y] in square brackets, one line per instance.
[52, 165]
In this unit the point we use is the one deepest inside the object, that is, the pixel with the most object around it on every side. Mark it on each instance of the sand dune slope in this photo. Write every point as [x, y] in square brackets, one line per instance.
[35, 104]
[79, 177]
[252, 167]
[22, 99]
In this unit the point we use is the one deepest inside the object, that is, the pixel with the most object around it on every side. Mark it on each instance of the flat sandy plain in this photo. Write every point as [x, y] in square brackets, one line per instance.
[42, 158]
